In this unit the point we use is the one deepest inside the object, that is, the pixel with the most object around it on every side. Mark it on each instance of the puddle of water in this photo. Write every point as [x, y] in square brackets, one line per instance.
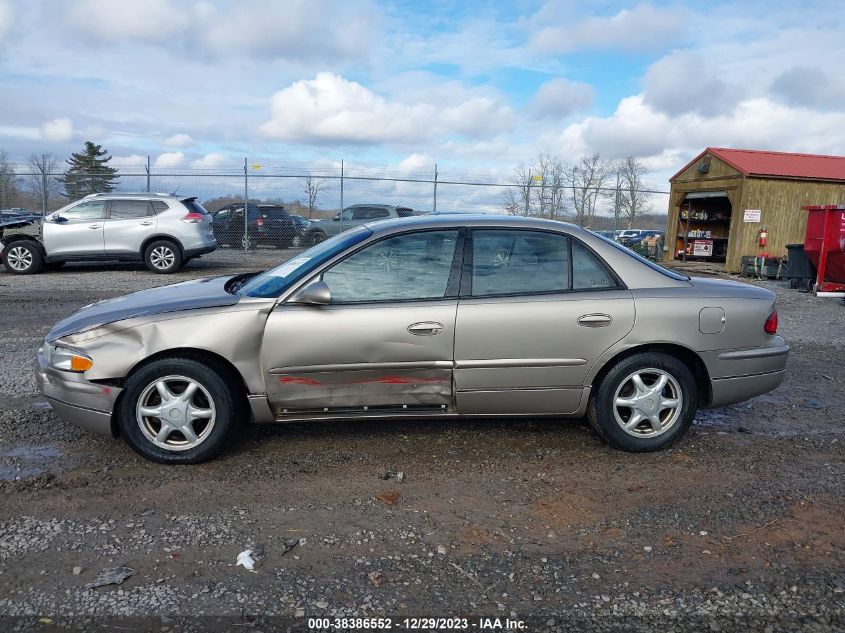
[26, 461]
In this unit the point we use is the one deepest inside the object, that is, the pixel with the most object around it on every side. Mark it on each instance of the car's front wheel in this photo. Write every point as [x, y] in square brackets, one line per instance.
[317, 237]
[23, 257]
[163, 257]
[178, 411]
[644, 403]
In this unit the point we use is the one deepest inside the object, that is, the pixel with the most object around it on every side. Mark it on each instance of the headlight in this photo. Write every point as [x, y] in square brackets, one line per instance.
[68, 360]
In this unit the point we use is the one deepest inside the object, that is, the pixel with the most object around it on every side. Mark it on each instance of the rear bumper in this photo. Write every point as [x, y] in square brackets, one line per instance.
[731, 390]
[202, 250]
[738, 375]
[76, 399]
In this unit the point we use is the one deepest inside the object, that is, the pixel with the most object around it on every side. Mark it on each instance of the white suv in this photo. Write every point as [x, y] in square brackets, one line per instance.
[161, 230]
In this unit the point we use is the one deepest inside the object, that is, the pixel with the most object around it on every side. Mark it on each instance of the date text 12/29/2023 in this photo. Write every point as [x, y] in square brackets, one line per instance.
[416, 624]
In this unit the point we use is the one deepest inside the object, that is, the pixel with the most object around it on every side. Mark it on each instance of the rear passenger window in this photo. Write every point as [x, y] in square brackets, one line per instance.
[159, 206]
[519, 262]
[129, 209]
[588, 271]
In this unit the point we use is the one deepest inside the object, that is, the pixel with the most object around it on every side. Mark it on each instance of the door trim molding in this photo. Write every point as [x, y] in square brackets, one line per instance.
[429, 364]
[495, 363]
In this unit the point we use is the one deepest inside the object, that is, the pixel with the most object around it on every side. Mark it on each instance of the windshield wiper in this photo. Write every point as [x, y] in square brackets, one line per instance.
[237, 282]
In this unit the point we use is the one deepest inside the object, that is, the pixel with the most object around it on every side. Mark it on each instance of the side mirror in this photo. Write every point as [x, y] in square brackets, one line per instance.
[59, 219]
[336, 218]
[316, 293]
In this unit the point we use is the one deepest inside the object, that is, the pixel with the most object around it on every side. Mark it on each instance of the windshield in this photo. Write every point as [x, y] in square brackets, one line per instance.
[664, 271]
[272, 282]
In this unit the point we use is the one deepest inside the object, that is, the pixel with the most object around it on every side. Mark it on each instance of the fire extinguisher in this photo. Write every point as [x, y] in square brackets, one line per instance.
[762, 235]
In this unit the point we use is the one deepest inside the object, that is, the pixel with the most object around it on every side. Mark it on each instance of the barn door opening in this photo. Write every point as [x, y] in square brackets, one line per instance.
[704, 223]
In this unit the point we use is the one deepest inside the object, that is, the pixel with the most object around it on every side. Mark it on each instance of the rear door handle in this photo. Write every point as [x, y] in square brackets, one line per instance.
[425, 328]
[95, 226]
[146, 223]
[595, 320]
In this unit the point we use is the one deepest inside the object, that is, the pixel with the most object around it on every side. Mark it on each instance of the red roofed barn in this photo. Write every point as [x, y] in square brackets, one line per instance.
[723, 198]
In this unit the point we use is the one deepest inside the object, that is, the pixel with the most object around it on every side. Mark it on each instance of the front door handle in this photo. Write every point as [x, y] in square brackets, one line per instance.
[95, 226]
[146, 223]
[595, 320]
[425, 328]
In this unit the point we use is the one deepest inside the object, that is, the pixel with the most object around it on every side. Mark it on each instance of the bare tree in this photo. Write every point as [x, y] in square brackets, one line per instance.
[313, 187]
[42, 179]
[632, 198]
[587, 179]
[7, 183]
[517, 197]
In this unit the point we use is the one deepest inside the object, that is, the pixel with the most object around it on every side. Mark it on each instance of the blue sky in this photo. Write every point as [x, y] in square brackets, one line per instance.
[476, 87]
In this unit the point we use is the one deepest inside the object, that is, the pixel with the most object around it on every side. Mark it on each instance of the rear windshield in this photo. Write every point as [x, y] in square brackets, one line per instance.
[404, 212]
[663, 271]
[194, 206]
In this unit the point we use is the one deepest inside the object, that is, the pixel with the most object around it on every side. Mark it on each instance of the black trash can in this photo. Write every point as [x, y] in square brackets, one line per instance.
[801, 272]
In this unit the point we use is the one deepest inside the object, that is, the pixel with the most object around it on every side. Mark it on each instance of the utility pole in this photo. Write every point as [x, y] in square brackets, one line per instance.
[341, 195]
[246, 206]
[528, 194]
[434, 206]
[43, 184]
[148, 174]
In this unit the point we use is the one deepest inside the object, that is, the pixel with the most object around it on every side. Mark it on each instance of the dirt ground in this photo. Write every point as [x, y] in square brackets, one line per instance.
[737, 527]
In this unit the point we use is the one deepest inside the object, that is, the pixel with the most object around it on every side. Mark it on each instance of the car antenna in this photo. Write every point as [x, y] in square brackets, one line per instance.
[175, 190]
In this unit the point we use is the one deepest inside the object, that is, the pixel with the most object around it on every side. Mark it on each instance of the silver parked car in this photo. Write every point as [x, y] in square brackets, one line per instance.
[421, 317]
[161, 230]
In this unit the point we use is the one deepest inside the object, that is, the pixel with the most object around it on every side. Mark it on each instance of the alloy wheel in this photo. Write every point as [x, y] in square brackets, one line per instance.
[162, 257]
[175, 413]
[19, 258]
[648, 402]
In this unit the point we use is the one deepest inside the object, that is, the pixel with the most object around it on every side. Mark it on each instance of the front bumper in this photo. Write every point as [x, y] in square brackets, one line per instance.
[75, 399]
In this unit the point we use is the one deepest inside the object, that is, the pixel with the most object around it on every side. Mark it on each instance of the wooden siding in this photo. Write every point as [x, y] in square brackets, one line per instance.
[718, 169]
[780, 202]
[720, 177]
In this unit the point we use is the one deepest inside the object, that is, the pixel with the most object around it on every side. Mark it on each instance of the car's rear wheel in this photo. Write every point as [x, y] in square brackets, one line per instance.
[644, 403]
[23, 257]
[178, 411]
[163, 257]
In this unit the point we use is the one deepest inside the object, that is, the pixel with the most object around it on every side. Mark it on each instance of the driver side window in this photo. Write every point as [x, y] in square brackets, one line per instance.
[413, 266]
[85, 211]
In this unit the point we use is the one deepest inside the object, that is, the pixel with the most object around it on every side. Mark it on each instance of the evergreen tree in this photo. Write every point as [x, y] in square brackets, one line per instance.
[88, 172]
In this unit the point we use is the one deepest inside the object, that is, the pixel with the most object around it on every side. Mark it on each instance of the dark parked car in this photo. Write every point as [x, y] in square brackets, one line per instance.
[301, 237]
[267, 224]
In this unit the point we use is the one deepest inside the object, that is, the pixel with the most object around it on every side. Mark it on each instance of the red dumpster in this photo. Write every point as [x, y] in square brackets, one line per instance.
[824, 244]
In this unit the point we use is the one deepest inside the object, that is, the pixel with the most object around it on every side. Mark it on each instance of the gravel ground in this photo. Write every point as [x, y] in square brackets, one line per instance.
[738, 527]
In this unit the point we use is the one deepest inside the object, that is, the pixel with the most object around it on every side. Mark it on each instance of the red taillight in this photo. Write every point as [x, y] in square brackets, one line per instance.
[259, 222]
[771, 324]
[193, 217]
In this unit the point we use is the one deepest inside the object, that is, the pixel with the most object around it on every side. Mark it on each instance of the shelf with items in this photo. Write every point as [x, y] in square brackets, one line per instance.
[722, 217]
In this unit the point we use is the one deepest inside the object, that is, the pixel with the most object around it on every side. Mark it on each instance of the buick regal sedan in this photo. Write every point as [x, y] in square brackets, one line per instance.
[432, 316]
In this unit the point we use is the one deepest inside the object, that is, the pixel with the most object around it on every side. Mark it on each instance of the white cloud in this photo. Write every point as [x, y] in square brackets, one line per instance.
[170, 159]
[416, 163]
[559, 98]
[638, 129]
[57, 130]
[179, 140]
[7, 19]
[811, 87]
[294, 29]
[152, 20]
[684, 81]
[330, 108]
[133, 160]
[642, 28]
[212, 160]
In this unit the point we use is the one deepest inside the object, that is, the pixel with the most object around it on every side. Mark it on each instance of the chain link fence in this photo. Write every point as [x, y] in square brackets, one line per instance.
[323, 192]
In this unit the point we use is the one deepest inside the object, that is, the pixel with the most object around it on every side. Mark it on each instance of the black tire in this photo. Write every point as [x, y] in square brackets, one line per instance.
[227, 409]
[23, 257]
[317, 237]
[163, 257]
[246, 243]
[643, 438]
